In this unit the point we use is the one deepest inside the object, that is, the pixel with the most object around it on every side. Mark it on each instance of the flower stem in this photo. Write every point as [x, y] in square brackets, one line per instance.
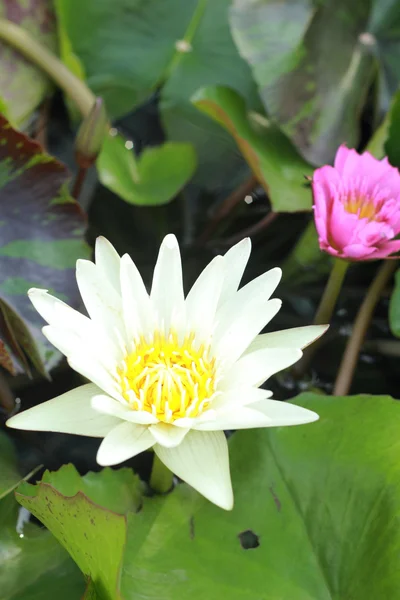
[361, 324]
[161, 478]
[331, 292]
[39, 55]
[324, 310]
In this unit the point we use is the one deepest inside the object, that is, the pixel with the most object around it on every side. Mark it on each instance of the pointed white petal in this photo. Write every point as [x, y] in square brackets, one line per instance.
[202, 300]
[258, 290]
[167, 287]
[167, 435]
[107, 262]
[239, 396]
[102, 301]
[49, 308]
[230, 343]
[123, 442]
[92, 370]
[137, 308]
[241, 417]
[265, 413]
[69, 413]
[285, 413]
[89, 341]
[298, 337]
[255, 368]
[202, 461]
[235, 261]
[109, 406]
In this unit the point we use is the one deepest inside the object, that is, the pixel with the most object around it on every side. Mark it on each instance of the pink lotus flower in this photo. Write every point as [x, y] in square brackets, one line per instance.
[357, 206]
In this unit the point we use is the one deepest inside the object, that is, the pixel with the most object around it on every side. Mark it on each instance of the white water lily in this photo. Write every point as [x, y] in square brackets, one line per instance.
[168, 372]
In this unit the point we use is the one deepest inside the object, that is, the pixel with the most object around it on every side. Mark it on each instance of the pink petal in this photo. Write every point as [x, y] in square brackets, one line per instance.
[385, 250]
[357, 252]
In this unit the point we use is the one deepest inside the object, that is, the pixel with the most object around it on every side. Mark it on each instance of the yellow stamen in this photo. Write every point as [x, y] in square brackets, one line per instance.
[361, 206]
[167, 377]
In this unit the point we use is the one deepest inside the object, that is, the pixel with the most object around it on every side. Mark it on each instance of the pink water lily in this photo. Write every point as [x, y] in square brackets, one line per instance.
[357, 206]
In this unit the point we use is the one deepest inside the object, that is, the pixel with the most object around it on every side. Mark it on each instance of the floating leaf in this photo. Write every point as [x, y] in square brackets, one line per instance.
[87, 515]
[125, 63]
[33, 564]
[315, 517]
[314, 63]
[272, 158]
[154, 178]
[42, 235]
[23, 85]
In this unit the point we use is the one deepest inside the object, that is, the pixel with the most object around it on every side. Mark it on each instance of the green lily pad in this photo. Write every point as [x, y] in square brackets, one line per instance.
[125, 63]
[87, 515]
[42, 234]
[314, 63]
[315, 517]
[23, 85]
[33, 564]
[271, 156]
[154, 178]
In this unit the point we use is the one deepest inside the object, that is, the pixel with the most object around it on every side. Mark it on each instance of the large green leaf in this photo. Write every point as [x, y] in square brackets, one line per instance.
[23, 86]
[129, 50]
[322, 502]
[315, 518]
[42, 235]
[154, 178]
[87, 515]
[271, 156]
[314, 62]
[33, 564]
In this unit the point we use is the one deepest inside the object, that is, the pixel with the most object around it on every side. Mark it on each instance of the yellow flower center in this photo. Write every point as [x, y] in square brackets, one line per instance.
[167, 377]
[361, 206]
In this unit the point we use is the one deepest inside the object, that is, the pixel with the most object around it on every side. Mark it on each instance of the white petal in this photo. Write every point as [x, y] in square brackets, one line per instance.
[89, 341]
[266, 413]
[233, 341]
[255, 368]
[49, 308]
[258, 290]
[241, 417]
[108, 262]
[167, 287]
[137, 309]
[284, 413]
[69, 413]
[239, 396]
[167, 435]
[109, 406]
[202, 300]
[298, 337]
[92, 370]
[123, 442]
[235, 261]
[102, 301]
[202, 461]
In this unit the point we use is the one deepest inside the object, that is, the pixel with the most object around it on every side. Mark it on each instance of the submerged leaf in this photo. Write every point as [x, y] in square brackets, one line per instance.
[42, 235]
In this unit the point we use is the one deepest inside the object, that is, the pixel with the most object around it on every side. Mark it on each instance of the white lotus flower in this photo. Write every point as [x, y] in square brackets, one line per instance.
[168, 372]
